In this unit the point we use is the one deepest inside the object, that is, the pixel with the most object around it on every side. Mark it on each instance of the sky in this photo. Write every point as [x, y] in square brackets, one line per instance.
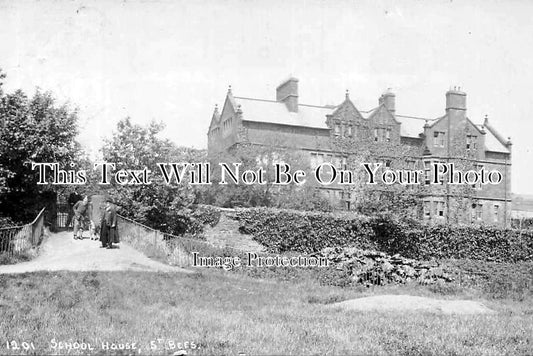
[172, 61]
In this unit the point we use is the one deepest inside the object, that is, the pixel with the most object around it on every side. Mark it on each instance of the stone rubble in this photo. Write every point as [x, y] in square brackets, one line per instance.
[373, 267]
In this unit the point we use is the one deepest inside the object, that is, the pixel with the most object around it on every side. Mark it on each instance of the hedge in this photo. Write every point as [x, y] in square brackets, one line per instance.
[310, 232]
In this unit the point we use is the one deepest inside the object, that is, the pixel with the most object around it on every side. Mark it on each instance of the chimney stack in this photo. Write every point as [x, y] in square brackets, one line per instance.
[455, 99]
[388, 99]
[287, 92]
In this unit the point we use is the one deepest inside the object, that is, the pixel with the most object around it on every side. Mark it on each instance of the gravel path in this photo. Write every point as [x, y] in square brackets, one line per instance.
[61, 252]
[388, 303]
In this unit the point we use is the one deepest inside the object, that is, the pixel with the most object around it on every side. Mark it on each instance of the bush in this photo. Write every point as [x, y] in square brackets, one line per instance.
[207, 215]
[473, 242]
[11, 259]
[310, 232]
[307, 232]
[6, 222]
[192, 221]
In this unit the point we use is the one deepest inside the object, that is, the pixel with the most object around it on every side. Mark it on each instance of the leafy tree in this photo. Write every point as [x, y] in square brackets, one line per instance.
[32, 130]
[162, 206]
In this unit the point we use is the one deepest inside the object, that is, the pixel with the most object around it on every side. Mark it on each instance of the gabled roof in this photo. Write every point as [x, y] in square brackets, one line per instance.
[215, 118]
[269, 111]
[492, 143]
[500, 143]
[378, 110]
[276, 112]
[347, 102]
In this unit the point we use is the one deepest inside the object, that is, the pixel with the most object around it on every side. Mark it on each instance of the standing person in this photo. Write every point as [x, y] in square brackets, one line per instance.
[81, 215]
[108, 227]
[73, 198]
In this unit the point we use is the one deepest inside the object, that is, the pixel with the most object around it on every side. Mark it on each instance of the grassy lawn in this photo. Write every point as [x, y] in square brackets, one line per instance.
[224, 313]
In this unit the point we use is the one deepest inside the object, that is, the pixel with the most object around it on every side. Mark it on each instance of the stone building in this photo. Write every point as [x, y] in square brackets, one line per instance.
[346, 136]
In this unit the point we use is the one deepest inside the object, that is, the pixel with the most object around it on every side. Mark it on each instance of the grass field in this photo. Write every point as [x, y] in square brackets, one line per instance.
[224, 313]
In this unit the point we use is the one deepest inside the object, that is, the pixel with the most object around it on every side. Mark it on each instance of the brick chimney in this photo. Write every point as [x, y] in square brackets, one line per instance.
[388, 99]
[455, 99]
[287, 92]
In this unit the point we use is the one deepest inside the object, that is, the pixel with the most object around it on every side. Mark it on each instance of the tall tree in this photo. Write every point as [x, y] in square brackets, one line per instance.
[32, 130]
[159, 205]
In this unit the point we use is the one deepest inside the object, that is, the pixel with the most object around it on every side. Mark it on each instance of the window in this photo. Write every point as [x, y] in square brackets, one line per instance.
[388, 163]
[349, 131]
[439, 208]
[337, 129]
[316, 159]
[427, 172]
[427, 209]
[438, 139]
[479, 212]
[347, 205]
[471, 142]
[382, 134]
[496, 212]
[477, 186]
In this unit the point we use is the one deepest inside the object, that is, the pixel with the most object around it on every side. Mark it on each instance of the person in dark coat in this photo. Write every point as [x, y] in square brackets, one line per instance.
[108, 225]
[73, 198]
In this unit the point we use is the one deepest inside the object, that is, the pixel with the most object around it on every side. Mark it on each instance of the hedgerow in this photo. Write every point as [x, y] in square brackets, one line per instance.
[310, 232]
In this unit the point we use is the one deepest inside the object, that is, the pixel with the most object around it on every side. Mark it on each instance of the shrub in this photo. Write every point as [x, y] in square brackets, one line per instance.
[207, 215]
[307, 232]
[6, 222]
[192, 221]
[310, 232]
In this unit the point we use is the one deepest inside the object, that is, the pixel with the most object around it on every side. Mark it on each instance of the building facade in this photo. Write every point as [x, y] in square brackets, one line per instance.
[345, 136]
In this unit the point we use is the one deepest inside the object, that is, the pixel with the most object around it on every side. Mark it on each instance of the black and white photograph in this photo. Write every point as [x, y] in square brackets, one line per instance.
[252, 177]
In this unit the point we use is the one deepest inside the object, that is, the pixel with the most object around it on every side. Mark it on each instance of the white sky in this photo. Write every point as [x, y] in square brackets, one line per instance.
[173, 60]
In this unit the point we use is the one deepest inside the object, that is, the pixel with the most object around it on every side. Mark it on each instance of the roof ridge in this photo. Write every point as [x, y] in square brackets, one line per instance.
[280, 102]
[318, 106]
[243, 97]
[495, 133]
[416, 117]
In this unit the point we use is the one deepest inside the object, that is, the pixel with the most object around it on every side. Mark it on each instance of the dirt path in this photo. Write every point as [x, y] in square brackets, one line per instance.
[61, 252]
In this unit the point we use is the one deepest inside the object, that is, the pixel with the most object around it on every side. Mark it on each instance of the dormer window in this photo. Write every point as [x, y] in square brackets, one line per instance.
[471, 142]
[438, 138]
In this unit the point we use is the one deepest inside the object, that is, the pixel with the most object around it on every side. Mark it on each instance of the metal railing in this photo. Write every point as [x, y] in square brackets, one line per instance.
[18, 239]
[174, 250]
